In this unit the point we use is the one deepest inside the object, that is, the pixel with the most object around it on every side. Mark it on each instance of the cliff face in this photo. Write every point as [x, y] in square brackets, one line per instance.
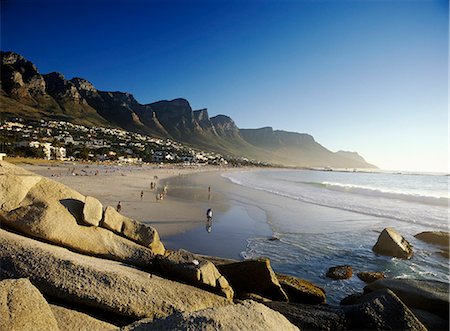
[27, 93]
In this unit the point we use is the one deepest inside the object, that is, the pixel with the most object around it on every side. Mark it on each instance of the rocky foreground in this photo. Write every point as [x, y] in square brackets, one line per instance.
[69, 263]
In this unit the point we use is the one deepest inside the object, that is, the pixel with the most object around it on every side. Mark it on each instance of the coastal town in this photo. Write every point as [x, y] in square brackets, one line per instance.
[65, 141]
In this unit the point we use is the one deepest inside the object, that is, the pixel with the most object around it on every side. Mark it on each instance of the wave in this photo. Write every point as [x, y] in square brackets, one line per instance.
[377, 210]
[365, 190]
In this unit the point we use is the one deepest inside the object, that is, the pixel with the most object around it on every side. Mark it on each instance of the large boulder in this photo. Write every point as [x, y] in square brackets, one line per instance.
[140, 233]
[103, 285]
[14, 188]
[92, 211]
[245, 316]
[440, 238]
[69, 319]
[429, 295]
[53, 212]
[391, 243]
[186, 267]
[22, 307]
[381, 310]
[253, 276]
[311, 317]
[301, 291]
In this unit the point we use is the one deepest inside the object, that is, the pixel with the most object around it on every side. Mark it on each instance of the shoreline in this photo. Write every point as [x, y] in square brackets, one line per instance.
[111, 183]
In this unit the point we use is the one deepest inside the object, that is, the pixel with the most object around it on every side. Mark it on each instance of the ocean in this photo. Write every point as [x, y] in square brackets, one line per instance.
[307, 221]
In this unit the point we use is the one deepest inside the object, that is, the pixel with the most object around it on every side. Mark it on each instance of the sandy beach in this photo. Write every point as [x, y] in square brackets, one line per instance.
[112, 183]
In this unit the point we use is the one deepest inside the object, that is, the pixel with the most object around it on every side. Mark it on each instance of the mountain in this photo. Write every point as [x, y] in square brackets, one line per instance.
[27, 93]
[51, 96]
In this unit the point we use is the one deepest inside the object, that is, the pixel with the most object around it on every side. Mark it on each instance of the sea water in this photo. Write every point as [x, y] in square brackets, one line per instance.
[320, 219]
[410, 203]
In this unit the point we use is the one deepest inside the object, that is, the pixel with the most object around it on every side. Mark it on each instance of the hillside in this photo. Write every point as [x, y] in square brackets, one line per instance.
[26, 93]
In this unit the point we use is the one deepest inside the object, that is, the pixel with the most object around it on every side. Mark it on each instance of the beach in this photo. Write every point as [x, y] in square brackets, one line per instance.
[112, 183]
[269, 243]
[302, 237]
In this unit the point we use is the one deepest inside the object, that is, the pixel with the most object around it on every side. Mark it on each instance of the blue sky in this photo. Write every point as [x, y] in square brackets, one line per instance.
[368, 76]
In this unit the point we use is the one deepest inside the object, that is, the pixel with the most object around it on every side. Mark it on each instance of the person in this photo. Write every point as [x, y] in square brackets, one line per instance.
[119, 207]
[142, 194]
[209, 215]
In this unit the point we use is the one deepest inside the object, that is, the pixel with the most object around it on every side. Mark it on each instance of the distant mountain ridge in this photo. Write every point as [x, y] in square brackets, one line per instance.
[26, 93]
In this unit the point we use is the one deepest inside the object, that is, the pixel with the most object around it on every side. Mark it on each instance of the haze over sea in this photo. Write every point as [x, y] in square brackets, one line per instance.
[307, 221]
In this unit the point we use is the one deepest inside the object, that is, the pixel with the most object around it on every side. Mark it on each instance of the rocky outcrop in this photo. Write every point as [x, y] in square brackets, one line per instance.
[69, 319]
[301, 291]
[340, 272]
[246, 316]
[92, 211]
[184, 266]
[370, 276]
[22, 81]
[140, 233]
[381, 310]
[311, 317]
[103, 285]
[440, 238]
[391, 243]
[22, 307]
[428, 295]
[253, 276]
[53, 212]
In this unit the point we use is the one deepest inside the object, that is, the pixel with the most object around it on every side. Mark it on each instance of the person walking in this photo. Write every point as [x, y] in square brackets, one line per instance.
[209, 215]
[142, 194]
[119, 207]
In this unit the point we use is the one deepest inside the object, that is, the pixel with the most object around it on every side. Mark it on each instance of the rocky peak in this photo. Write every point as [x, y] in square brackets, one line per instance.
[224, 122]
[125, 97]
[201, 115]
[20, 77]
[172, 108]
[60, 88]
[83, 85]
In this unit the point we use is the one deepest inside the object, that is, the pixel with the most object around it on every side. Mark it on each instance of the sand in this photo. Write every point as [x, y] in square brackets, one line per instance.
[111, 184]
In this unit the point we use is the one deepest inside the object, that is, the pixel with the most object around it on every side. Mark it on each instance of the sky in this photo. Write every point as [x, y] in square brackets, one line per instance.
[367, 76]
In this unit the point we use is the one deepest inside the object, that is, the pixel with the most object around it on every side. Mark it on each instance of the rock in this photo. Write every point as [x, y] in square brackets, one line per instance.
[246, 316]
[184, 266]
[253, 276]
[53, 212]
[103, 285]
[391, 243]
[311, 317]
[429, 320]
[340, 272]
[92, 211]
[144, 235]
[432, 296]
[113, 220]
[370, 276]
[141, 234]
[69, 319]
[440, 238]
[22, 307]
[301, 291]
[381, 310]
[13, 189]
[351, 299]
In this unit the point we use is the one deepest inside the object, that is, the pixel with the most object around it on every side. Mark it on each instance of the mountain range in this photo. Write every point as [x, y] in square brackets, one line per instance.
[31, 95]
